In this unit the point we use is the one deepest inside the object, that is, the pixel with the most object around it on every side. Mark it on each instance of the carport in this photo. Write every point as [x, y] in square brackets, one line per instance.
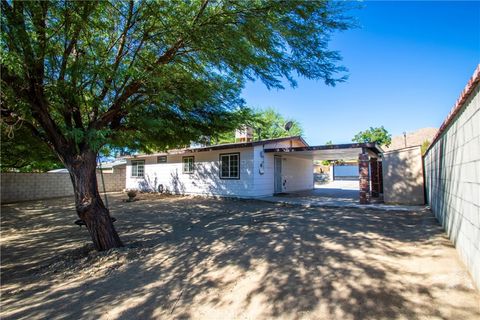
[370, 176]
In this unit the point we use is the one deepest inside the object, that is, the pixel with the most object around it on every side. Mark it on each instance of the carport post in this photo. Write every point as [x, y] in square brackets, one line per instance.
[363, 168]
[375, 177]
[380, 174]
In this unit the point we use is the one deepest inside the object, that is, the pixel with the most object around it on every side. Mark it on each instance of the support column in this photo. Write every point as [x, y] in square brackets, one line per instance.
[363, 166]
[380, 177]
[375, 177]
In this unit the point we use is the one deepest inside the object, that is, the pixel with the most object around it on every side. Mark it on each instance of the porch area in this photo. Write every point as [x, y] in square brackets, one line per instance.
[341, 194]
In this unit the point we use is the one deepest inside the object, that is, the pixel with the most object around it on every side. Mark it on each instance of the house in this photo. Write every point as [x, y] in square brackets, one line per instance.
[117, 164]
[105, 167]
[245, 169]
[236, 169]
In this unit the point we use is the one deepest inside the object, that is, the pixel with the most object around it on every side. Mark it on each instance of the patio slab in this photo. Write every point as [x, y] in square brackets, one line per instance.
[343, 194]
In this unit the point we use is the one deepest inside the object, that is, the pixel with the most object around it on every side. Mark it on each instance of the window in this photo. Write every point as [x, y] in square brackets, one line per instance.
[161, 159]
[230, 166]
[188, 163]
[138, 168]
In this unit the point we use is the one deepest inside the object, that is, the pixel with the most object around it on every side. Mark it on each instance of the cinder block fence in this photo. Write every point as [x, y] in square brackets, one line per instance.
[16, 187]
[452, 176]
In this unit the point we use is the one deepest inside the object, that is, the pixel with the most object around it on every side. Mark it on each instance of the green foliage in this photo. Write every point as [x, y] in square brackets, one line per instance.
[22, 152]
[327, 162]
[267, 124]
[425, 146]
[149, 75]
[378, 135]
[272, 125]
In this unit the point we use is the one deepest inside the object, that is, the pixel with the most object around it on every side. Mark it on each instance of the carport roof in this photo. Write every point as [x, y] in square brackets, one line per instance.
[347, 151]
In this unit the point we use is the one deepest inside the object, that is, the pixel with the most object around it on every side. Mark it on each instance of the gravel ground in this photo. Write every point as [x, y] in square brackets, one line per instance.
[197, 258]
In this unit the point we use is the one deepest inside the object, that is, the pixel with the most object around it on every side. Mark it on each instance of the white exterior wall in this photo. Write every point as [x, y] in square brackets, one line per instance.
[452, 178]
[297, 172]
[205, 179]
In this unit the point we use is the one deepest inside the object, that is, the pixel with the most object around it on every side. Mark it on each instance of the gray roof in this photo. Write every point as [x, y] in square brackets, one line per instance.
[224, 146]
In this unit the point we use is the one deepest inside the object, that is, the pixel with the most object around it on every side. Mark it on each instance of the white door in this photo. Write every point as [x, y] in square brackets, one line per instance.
[277, 174]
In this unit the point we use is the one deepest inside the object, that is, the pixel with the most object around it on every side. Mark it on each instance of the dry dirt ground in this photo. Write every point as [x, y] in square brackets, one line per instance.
[194, 258]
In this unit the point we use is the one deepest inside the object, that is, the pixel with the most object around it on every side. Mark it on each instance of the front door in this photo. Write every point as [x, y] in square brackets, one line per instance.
[277, 174]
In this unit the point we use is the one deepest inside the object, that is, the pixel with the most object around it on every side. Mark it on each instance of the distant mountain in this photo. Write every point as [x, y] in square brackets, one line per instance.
[415, 138]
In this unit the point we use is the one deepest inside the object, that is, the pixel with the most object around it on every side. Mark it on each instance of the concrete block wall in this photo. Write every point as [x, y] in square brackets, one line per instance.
[452, 172]
[17, 187]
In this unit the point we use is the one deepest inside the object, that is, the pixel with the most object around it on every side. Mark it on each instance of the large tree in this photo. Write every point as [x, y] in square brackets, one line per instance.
[149, 74]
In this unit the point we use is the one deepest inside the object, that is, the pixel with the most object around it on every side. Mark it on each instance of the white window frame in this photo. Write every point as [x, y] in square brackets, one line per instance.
[135, 165]
[230, 175]
[186, 167]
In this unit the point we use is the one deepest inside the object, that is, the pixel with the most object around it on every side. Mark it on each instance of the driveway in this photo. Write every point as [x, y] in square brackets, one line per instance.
[196, 258]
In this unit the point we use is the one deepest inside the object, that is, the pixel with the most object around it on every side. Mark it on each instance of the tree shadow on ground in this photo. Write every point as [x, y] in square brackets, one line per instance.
[204, 258]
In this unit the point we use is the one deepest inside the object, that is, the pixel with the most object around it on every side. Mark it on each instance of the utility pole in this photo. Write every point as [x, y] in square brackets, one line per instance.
[405, 138]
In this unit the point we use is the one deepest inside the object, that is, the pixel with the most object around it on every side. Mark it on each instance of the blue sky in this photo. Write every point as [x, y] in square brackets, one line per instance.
[407, 61]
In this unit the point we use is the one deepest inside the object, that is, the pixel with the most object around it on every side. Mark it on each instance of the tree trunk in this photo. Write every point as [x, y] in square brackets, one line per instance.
[89, 204]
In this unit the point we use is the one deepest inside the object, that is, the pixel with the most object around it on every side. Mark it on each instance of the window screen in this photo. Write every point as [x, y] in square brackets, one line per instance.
[230, 166]
[138, 168]
[188, 163]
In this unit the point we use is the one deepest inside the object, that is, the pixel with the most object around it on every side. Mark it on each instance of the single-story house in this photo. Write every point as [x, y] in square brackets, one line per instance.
[105, 167]
[235, 169]
[244, 169]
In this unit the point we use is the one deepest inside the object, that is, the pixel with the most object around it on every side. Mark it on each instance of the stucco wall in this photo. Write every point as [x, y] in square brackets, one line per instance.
[34, 186]
[403, 176]
[452, 171]
[205, 179]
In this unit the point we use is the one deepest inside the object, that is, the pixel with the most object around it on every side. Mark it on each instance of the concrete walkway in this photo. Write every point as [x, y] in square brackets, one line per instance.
[333, 194]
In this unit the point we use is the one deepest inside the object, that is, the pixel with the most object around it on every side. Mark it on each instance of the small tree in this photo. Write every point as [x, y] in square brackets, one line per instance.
[327, 162]
[425, 146]
[377, 135]
[149, 75]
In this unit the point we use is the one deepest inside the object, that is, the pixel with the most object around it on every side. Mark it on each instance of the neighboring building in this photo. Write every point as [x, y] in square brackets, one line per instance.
[236, 169]
[345, 170]
[118, 164]
[452, 175]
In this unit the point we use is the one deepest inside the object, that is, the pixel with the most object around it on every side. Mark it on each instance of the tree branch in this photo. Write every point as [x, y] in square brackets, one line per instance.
[128, 25]
[115, 109]
[10, 117]
[68, 50]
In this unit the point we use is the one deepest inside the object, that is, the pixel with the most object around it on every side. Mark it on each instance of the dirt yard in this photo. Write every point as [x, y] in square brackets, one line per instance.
[193, 258]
